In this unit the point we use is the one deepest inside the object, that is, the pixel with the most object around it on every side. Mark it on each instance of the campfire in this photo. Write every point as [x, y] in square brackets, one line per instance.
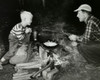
[43, 58]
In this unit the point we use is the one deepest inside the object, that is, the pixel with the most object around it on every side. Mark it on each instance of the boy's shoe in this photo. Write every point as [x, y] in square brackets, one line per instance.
[1, 67]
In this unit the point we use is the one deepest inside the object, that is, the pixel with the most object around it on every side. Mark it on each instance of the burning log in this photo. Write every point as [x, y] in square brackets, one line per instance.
[48, 74]
[48, 61]
[47, 66]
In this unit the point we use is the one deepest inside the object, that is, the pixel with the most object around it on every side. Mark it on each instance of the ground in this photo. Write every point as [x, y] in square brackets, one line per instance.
[70, 72]
[7, 72]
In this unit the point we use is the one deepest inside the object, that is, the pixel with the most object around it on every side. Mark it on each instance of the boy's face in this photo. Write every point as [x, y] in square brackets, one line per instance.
[28, 21]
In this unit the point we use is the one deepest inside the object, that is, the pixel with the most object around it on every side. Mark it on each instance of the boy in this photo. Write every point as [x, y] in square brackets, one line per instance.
[18, 35]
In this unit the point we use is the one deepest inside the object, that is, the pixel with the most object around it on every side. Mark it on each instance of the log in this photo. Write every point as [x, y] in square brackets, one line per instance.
[20, 74]
[51, 73]
[23, 77]
[29, 65]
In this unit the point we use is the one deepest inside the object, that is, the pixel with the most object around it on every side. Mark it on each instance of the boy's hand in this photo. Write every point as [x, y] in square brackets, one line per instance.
[28, 30]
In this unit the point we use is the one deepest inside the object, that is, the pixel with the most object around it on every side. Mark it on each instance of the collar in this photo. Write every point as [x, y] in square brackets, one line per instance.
[89, 17]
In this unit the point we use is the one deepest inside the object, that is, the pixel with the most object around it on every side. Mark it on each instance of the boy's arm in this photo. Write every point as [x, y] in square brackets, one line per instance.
[28, 30]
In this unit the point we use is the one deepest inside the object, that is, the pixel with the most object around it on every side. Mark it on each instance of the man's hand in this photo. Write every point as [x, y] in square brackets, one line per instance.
[73, 37]
[1, 67]
[28, 30]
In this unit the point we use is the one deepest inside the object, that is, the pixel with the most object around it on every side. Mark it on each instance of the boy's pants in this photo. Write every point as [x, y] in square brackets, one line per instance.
[14, 45]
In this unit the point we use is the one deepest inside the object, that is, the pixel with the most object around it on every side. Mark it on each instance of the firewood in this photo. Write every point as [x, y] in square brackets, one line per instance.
[19, 74]
[51, 73]
[28, 64]
[31, 66]
[22, 77]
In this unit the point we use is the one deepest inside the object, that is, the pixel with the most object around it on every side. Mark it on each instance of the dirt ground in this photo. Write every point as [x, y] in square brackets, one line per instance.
[72, 73]
[7, 72]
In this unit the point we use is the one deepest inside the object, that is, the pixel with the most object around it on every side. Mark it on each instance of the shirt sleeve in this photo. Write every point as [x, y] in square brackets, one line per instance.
[18, 31]
[86, 35]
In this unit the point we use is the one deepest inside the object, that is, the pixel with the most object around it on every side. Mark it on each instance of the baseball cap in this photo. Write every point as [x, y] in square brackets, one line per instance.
[85, 7]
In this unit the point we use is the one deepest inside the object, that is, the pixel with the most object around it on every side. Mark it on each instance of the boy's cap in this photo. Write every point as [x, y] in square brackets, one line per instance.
[85, 7]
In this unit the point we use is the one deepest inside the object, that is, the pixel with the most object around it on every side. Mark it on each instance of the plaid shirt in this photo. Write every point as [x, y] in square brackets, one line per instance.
[92, 32]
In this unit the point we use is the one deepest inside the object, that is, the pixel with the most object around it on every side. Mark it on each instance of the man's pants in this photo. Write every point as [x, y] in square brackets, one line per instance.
[91, 52]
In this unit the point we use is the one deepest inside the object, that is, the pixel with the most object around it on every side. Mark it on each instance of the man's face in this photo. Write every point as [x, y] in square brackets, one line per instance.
[81, 16]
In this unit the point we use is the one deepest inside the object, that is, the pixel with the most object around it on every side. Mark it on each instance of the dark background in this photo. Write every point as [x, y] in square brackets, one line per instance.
[44, 11]
[53, 11]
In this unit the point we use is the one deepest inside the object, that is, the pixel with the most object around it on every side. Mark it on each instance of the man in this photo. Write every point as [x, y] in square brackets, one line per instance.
[89, 46]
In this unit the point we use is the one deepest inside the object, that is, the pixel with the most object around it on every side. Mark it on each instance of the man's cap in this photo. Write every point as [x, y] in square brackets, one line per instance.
[85, 7]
